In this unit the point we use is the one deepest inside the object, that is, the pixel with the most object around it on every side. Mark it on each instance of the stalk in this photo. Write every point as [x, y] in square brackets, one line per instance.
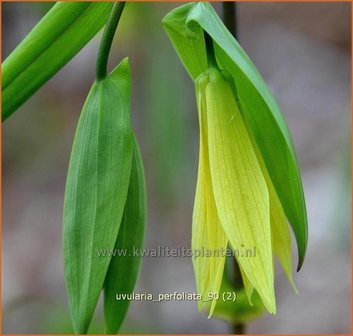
[237, 328]
[107, 40]
[211, 57]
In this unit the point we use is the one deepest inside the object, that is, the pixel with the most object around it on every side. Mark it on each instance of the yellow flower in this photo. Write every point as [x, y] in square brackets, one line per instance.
[235, 200]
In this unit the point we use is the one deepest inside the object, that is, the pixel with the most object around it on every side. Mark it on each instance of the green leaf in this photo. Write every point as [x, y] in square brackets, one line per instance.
[123, 269]
[96, 191]
[185, 27]
[59, 36]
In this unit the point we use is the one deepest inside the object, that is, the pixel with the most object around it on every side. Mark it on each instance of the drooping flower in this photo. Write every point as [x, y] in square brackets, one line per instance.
[249, 186]
[235, 201]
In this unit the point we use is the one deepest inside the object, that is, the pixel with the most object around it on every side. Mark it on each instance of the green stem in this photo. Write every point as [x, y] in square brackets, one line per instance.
[107, 40]
[211, 57]
[238, 329]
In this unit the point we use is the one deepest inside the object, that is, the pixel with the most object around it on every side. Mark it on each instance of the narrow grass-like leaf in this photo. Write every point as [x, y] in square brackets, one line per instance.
[185, 27]
[123, 269]
[59, 36]
[96, 191]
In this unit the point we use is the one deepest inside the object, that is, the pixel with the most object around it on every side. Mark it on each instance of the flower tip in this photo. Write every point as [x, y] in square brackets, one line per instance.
[270, 306]
[295, 289]
[211, 311]
[213, 306]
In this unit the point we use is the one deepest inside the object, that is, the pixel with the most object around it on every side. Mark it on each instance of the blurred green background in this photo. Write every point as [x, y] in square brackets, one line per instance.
[302, 50]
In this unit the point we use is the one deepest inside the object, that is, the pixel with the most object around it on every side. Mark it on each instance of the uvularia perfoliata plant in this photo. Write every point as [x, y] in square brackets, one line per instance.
[248, 178]
[248, 192]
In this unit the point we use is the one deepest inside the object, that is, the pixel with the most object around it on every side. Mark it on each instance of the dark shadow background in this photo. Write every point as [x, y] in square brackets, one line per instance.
[302, 50]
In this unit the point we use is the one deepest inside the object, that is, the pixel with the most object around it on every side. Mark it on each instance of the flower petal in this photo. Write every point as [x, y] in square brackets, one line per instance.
[240, 189]
[281, 240]
[249, 288]
[207, 232]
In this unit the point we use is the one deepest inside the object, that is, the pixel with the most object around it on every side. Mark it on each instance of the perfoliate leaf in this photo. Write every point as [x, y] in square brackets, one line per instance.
[185, 27]
[240, 190]
[59, 36]
[123, 270]
[96, 191]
